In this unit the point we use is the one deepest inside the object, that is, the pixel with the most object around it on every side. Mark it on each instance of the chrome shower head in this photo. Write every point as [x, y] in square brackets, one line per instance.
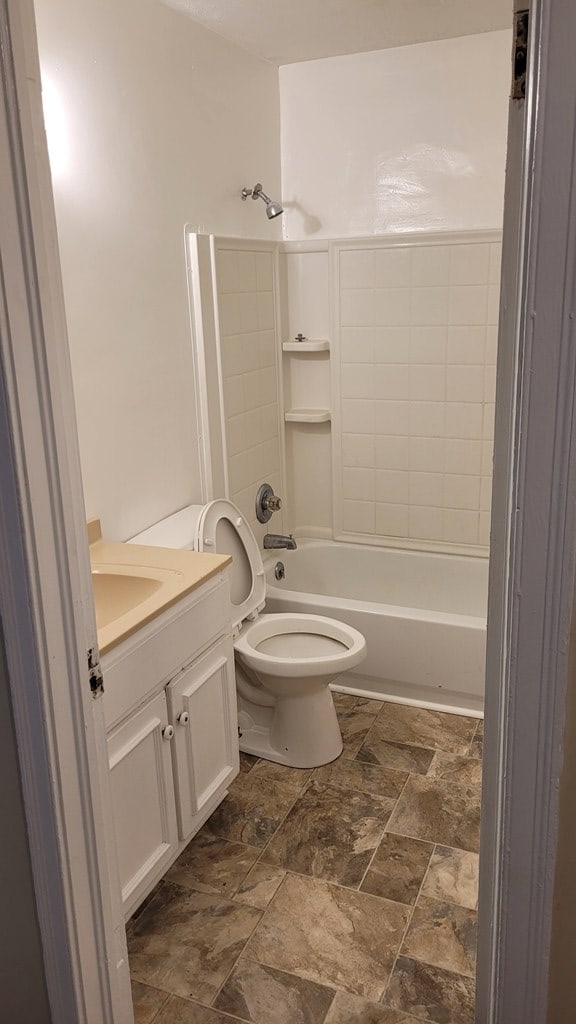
[273, 207]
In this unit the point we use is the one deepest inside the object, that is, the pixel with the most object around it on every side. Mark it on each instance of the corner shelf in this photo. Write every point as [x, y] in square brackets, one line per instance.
[307, 416]
[306, 346]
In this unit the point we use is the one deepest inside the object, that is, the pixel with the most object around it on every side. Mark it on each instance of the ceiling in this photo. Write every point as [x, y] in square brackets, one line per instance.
[287, 31]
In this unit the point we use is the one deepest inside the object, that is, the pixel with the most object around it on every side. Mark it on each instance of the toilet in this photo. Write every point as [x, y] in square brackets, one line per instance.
[284, 662]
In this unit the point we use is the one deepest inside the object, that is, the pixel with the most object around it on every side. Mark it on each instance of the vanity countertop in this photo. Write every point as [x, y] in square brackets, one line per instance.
[133, 583]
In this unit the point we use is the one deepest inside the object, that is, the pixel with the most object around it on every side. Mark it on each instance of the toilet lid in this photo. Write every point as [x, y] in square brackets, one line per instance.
[223, 529]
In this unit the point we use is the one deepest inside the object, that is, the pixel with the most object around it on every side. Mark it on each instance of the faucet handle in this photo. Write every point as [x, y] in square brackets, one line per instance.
[266, 503]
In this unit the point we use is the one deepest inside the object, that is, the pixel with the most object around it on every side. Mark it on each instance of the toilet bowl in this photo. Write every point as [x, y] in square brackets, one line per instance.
[285, 662]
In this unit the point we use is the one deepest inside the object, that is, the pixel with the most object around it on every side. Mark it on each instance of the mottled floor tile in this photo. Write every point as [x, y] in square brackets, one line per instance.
[456, 768]
[247, 761]
[211, 864]
[453, 877]
[146, 1002]
[420, 727]
[252, 810]
[344, 701]
[397, 869]
[354, 726]
[187, 942]
[260, 995]
[140, 910]
[477, 745]
[399, 756]
[430, 993]
[180, 1011]
[369, 778]
[260, 885]
[347, 701]
[330, 833]
[441, 812]
[370, 706]
[295, 778]
[331, 935]
[347, 1009]
[443, 935]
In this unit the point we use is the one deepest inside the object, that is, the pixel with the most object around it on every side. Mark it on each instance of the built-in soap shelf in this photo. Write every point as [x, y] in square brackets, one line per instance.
[307, 416]
[306, 346]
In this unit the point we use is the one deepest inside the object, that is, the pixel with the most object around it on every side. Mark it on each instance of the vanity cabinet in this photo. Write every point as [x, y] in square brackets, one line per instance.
[170, 707]
[205, 744]
[140, 760]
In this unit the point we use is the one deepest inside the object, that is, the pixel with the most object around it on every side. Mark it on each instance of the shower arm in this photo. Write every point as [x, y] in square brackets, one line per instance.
[256, 193]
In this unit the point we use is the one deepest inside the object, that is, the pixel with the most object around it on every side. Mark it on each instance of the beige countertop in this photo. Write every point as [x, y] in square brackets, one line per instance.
[133, 583]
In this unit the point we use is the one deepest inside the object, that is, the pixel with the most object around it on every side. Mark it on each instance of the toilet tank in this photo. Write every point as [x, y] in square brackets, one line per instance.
[179, 530]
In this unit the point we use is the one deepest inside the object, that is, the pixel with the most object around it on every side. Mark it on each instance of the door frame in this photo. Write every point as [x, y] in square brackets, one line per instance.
[45, 598]
[533, 543]
[45, 586]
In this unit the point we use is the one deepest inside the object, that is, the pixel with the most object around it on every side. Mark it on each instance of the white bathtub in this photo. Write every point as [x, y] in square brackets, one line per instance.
[423, 616]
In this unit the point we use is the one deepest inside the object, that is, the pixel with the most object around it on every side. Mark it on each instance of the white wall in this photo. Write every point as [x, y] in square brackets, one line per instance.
[153, 123]
[405, 139]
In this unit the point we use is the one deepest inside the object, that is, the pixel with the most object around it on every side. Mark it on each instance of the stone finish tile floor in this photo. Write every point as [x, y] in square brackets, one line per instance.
[343, 895]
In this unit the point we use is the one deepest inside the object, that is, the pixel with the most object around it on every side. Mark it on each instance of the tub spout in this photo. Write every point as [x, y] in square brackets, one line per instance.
[277, 540]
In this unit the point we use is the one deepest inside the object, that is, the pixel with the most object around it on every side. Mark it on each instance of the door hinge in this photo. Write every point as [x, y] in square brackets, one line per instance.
[520, 55]
[95, 676]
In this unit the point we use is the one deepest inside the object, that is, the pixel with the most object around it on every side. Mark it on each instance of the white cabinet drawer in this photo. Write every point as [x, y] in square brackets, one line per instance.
[140, 665]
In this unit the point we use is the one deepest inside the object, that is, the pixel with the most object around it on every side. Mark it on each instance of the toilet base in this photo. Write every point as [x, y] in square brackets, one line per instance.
[256, 726]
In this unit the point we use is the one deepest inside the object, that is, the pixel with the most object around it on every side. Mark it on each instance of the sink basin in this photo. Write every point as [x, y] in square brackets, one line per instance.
[133, 584]
[120, 589]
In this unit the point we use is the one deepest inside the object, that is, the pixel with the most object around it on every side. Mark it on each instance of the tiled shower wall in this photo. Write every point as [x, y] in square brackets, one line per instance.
[413, 436]
[248, 350]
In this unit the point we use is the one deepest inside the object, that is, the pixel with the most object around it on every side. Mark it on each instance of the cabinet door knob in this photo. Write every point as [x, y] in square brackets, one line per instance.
[168, 732]
[183, 718]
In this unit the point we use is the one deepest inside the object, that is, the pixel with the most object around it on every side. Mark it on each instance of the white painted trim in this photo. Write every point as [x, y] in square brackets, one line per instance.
[45, 590]
[533, 533]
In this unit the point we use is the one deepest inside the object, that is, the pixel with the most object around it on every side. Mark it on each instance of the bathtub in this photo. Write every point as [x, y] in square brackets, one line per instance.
[423, 616]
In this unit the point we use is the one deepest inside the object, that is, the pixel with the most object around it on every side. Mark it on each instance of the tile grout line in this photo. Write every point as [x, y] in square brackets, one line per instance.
[235, 964]
[413, 909]
[297, 796]
[160, 1008]
[382, 836]
[409, 922]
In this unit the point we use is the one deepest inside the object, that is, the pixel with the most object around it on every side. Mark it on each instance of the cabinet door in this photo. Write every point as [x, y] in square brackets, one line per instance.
[143, 798]
[202, 706]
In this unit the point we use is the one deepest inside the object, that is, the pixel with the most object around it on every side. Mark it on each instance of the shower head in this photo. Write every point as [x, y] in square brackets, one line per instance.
[273, 207]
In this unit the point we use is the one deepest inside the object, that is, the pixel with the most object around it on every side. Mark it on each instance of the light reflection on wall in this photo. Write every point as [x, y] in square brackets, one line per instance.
[57, 134]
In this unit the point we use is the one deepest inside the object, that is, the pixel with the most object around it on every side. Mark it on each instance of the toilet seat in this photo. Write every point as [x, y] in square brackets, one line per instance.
[222, 528]
[285, 662]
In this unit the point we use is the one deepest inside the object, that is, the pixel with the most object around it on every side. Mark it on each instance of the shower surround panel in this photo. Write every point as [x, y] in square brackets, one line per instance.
[414, 371]
[248, 353]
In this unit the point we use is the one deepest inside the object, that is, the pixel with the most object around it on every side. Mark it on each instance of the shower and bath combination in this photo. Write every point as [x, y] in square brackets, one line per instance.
[273, 207]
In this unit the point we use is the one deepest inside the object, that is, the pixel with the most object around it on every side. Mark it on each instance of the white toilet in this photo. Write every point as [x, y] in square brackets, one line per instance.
[284, 663]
